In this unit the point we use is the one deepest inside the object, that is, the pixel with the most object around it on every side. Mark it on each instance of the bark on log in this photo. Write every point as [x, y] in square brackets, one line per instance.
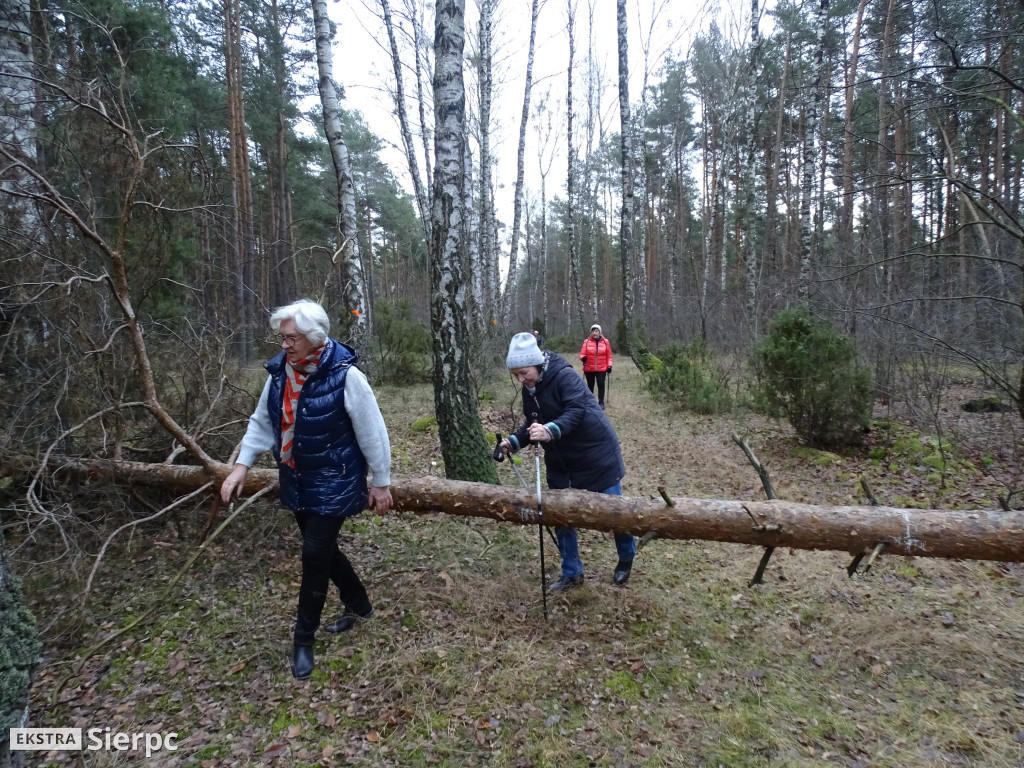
[970, 535]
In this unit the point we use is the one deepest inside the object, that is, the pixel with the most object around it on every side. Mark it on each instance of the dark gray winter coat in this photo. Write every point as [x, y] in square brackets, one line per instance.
[584, 452]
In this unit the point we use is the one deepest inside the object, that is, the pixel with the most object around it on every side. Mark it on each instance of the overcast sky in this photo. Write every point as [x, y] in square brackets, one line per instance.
[362, 65]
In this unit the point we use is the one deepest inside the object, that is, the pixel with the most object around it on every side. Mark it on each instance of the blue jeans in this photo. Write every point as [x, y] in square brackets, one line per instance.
[568, 544]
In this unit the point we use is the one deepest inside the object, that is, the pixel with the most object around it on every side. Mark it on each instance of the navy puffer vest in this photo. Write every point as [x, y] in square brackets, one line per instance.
[330, 471]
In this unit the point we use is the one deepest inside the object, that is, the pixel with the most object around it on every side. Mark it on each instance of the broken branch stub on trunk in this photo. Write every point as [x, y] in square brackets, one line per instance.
[963, 534]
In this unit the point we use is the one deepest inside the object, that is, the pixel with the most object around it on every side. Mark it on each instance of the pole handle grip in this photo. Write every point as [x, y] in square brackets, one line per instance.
[499, 455]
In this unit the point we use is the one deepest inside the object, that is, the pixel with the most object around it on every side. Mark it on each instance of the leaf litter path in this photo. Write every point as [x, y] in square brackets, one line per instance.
[918, 663]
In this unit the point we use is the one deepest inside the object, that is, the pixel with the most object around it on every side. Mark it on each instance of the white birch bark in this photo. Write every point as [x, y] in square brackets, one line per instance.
[517, 203]
[488, 264]
[574, 258]
[19, 222]
[354, 317]
[424, 72]
[17, 100]
[531, 271]
[474, 268]
[466, 454]
[420, 192]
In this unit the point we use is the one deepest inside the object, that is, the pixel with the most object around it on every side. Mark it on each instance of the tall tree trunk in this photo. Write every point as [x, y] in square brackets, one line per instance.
[846, 215]
[354, 325]
[590, 189]
[626, 244]
[882, 227]
[770, 255]
[463, 447]
[815, 100]
[423, 73]
[283, 287]
[488, 251]
[19, 647]
[517, 201]
[19, 640]
[749, 229]
[422, 204]
[478, 275]
[531, 272]
[570, 182]
[544, 251]
[241, 239]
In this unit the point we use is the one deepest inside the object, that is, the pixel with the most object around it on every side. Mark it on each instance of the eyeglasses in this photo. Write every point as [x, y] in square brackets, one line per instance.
[285, 341]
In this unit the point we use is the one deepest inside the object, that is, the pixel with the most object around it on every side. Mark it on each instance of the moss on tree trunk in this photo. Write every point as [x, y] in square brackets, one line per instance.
[19, 653]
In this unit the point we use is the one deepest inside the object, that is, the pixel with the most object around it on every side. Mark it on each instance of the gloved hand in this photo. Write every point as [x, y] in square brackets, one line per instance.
[503, 447]
[609, 371]
[583, 359]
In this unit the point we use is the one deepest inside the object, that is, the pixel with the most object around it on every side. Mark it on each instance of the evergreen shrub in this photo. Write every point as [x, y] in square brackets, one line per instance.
[402, 343]
[688, 376]
[809, 372]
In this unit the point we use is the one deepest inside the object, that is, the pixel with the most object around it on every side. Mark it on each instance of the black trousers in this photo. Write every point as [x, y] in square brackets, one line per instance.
[597, 376]
[323, 564]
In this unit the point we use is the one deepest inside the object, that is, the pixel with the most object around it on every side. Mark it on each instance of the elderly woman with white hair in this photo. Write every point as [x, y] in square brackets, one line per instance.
[320, 418]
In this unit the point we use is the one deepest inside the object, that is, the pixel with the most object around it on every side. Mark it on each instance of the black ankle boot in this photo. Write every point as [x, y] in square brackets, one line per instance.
[565, 583]
[346, 621]
[302, 662]
[621, 573]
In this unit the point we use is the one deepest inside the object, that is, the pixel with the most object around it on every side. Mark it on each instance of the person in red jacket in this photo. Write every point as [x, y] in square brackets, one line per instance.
[596, 354]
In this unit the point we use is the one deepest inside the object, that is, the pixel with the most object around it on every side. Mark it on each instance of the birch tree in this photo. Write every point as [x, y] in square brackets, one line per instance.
[19, 647]
[517, 202]
[570, 184]
[419, 190]
[626, 244]
[488, 271]
[547, 140]
[466, 453]
[353, 311]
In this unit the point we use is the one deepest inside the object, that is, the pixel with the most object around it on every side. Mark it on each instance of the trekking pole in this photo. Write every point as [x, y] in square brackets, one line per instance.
[607, 386]
[499, 455]
[540, 523]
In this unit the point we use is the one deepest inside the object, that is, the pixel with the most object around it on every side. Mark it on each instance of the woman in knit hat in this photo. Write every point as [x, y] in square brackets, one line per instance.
[596, 354]
[581, 449]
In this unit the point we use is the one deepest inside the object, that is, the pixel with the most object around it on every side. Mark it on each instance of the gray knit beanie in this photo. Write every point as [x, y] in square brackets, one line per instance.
[523, 351]
[595, 325]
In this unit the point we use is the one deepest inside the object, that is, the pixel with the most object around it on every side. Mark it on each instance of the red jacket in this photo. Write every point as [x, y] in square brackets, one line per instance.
[596, 354]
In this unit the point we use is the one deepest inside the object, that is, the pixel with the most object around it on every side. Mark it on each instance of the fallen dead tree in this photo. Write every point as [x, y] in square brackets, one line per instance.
[970, 535]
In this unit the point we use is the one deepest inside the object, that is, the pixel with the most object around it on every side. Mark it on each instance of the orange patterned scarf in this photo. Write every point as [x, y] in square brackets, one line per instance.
[297, 375]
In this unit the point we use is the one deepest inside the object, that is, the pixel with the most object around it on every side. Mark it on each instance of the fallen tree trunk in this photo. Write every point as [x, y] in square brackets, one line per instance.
[969, 535]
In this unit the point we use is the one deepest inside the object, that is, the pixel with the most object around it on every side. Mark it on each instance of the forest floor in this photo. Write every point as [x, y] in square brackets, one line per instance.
[918, 662]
